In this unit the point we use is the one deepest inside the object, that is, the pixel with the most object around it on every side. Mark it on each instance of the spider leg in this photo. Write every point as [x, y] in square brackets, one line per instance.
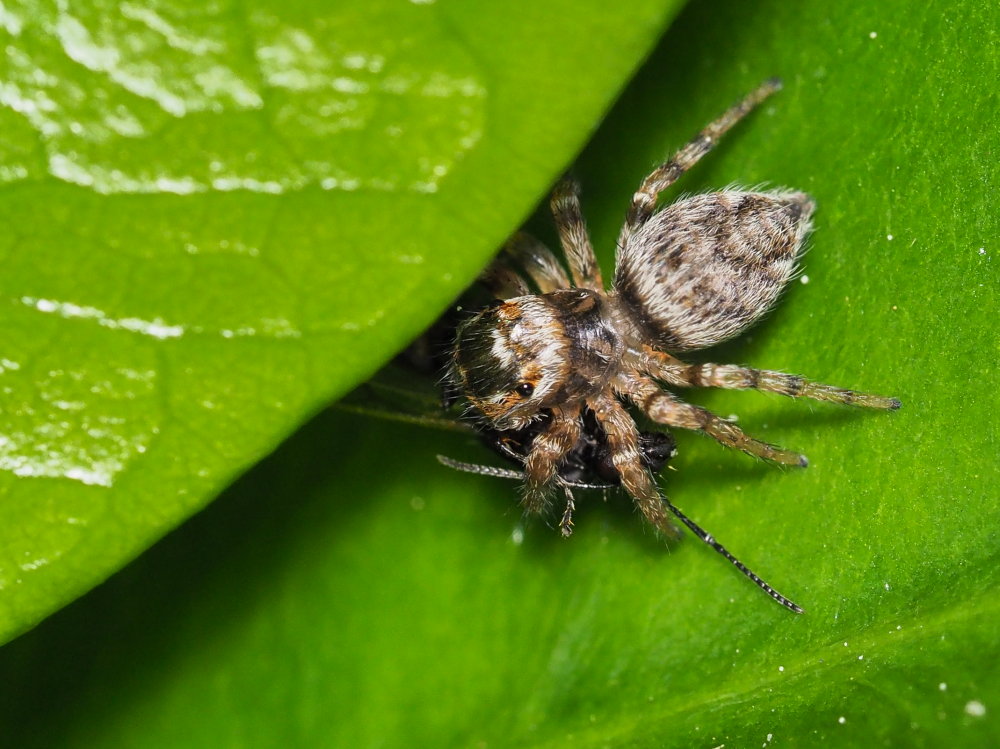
[547, 450]
[623, 444]
[664, 408]
[502, 282]
[538, 261]
[565, 205]
[733, 377]
[644, 201]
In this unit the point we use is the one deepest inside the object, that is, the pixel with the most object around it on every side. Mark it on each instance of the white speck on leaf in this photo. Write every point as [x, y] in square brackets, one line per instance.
[975, 708]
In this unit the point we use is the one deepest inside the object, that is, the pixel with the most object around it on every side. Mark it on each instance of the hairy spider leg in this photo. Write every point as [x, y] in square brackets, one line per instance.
[644, 201]
[623, 441]
[673, 371]
[547, 451]
[503, 282]
[538, 262]
[733, 377]
[565, 205]
[664, 408]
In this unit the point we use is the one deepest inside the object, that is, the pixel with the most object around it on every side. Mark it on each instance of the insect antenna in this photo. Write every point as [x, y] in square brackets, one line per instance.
[494, 471]
[709, 539]
[507, 473]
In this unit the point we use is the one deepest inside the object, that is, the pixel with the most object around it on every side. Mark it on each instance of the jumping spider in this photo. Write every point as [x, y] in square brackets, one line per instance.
[688, 276]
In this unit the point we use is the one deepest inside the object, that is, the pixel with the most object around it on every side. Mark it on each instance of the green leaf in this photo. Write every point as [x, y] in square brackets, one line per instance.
[349, 591]
[221, 217]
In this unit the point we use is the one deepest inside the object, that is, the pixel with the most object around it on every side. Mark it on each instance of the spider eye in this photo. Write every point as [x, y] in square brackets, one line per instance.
[524, 389]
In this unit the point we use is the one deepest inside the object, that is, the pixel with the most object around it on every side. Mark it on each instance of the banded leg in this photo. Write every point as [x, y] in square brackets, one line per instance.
[623, 444]
[733, 377]
[644, 201]
[664, 408]
[573, 236]
[538, 262]
[547, 451]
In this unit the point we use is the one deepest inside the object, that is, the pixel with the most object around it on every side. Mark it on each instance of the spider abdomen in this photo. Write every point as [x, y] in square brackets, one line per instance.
[703, 269]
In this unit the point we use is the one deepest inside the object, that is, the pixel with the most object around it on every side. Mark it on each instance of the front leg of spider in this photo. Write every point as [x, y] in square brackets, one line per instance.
[547, 451]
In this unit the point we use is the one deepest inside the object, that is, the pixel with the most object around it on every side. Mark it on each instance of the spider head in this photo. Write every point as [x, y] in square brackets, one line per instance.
[510, 360]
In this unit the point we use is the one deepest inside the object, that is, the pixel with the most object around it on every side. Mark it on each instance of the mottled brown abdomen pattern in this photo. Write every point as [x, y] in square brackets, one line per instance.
[704, 269]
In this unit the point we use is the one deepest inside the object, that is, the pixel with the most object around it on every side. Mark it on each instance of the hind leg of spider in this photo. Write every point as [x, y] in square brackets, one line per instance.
[537, 261]
[626, 455]
[547, 451]
[664, 408]
[644, 201]
[565, 205]
[732, 377]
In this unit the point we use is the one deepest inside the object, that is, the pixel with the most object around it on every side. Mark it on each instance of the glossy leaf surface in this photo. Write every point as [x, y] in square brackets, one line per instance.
[219, 217]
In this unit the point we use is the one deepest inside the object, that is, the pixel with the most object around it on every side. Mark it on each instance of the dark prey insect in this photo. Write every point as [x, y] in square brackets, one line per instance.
[688, 276]
[588, 465]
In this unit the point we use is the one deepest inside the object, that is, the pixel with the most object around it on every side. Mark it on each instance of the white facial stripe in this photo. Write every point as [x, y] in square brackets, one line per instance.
[541, 334]
[502, 351]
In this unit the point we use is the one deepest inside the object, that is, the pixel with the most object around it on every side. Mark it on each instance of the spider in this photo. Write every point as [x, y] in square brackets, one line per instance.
[688, 276]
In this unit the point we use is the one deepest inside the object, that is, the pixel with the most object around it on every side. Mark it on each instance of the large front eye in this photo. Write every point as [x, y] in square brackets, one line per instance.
[525, 389]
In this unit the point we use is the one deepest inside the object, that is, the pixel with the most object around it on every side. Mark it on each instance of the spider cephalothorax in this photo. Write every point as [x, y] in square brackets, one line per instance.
[688, 276]
[536, 351]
